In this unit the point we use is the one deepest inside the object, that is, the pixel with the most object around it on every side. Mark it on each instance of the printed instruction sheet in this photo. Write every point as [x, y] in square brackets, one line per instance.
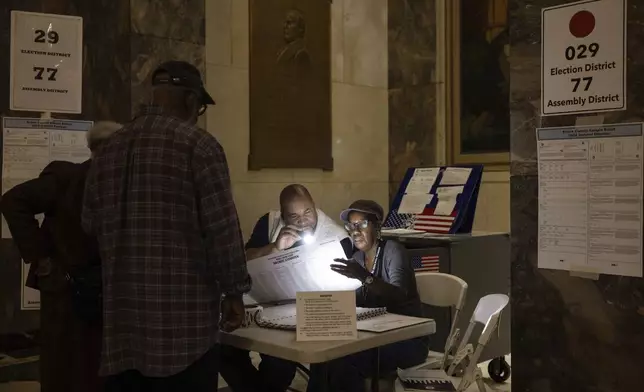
[590, 198]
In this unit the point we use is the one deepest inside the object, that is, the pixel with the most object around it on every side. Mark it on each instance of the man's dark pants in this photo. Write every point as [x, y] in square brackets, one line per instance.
[201, 376]
[273, 374]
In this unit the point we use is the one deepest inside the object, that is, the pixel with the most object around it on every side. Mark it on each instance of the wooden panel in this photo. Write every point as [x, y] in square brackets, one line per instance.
[290, 84]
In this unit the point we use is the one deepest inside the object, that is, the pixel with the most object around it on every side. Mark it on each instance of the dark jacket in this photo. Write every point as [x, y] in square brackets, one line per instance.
[57, 193]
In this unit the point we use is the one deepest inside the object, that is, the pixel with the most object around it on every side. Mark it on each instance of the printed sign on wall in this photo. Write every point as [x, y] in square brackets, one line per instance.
[46, 62]
[583, 57]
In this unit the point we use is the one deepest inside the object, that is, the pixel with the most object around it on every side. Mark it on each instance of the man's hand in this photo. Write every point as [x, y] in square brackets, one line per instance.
[232, 313]
[287, 237]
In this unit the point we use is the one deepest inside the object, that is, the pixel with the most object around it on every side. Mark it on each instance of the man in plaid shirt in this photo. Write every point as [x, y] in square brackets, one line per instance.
[158, 199]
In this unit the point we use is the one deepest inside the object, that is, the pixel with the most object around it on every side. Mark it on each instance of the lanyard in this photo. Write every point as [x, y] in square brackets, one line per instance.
[376, 257]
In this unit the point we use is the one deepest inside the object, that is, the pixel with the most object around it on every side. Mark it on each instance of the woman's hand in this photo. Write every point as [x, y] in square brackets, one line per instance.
[350, 268]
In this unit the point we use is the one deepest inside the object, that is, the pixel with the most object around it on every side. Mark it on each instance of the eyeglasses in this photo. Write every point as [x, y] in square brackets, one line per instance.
[353, 226]
[202, 110]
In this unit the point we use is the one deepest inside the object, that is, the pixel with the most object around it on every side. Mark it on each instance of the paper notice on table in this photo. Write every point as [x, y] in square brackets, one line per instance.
[414, 203]
[29, 298]
[389, 322]
[329, 315]
[30, 144]
[279, 276]
[590, 198]
[445, 205]
[423, 180]
[456, 175]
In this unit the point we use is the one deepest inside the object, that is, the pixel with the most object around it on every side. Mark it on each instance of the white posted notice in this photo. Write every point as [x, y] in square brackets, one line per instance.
[30, 144]
[327, 315]
[46, 62]
[583, 52]
[29, 298]
[590, 198]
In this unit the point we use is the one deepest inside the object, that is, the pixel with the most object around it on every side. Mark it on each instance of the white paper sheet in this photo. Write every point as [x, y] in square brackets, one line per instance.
[401, 231]
[445, 205]
[29, 298]
[326, 315]
[455, 175]
[590, 198]
[29, 145]
[389, 322]
[414, 203]
[422, 180]
[449, 191]
[278, 277]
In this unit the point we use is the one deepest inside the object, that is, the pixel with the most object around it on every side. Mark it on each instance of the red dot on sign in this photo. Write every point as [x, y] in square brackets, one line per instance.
[582, 24]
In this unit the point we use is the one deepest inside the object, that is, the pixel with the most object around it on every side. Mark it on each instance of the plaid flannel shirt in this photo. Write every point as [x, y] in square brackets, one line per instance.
[159, 200]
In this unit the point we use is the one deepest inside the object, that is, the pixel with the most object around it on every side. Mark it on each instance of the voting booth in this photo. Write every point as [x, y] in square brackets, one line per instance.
[432, 216]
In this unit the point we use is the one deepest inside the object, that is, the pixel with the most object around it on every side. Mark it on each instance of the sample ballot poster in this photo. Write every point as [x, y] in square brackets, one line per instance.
[28, 145]
[590, 198]
[583, 54]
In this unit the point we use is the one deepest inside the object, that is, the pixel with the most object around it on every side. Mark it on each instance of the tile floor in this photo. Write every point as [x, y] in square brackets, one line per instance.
[298, 383]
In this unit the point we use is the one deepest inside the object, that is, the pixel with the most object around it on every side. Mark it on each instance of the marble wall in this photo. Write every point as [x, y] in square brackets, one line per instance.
[414, 84]
[123, 41]
[162, 31]
[359, 108]
[568, 333]
[106, 96]
[412, 87]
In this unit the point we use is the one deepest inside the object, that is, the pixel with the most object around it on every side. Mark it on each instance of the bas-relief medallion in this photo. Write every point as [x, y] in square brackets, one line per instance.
[290, 85]
[569, 333]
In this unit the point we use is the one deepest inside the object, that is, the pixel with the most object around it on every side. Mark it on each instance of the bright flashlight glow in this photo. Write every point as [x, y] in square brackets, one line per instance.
[308, 239]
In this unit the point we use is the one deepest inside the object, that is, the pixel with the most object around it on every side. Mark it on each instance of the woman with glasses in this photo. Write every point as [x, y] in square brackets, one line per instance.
[388, 280]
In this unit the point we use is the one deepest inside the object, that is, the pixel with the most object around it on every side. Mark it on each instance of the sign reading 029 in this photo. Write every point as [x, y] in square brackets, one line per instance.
[46, 62]
[583, 50]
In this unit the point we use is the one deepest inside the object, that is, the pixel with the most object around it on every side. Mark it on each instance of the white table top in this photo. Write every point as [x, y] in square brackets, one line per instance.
[282, 344]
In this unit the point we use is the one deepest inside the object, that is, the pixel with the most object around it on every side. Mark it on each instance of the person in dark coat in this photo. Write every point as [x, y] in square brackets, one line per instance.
[61, 255]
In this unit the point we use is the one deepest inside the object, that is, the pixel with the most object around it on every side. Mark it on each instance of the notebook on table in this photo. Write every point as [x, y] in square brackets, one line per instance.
[426, 380]
[369, 319]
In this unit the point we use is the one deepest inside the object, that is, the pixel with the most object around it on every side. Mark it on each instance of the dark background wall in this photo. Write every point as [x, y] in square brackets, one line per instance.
[412, 92]
[124, 40]
[568, 333]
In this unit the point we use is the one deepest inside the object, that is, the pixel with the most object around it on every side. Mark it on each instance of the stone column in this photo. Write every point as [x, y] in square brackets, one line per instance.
[568, 333]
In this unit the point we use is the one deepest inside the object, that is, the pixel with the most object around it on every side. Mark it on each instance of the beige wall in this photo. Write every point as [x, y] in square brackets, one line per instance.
[359, 108]
[493, 208]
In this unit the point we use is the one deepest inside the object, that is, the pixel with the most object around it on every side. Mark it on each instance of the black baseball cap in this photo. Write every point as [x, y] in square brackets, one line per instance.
[369, 207]
[182, 74]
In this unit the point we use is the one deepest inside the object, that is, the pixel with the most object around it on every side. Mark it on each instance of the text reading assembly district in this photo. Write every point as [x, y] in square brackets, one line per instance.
[583, 57]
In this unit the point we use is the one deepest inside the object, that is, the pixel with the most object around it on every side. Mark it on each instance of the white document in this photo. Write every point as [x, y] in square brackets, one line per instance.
[388, 322]
[423, 180]
[590, 199]
[327, 315]
[30, 144]
[401, 231]
[455, 175]
[449, 190]
[445, 205]
[583, 57]
[425, 380]
[414, 203]
[46, 62]
[29, 298]
[279, 276]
